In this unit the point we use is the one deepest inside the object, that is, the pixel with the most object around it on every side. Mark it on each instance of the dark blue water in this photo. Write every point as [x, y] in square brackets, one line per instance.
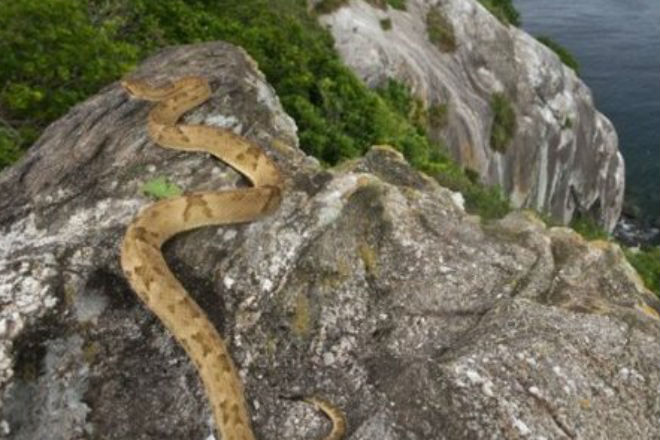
[617, 43]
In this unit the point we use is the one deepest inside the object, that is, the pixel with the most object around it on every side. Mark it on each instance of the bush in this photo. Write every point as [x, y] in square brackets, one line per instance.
[95, 41]
[564, 55]
[397, 4]
[9, 147]
[503, 10]
[53, 56]
[440, 29]
[504, 122]
[382, 4]
[328, 6]
[588, 228]
[647, 263]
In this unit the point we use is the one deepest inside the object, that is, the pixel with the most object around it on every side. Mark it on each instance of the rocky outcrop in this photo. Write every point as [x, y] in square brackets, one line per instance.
[564, 156]
[370, 285]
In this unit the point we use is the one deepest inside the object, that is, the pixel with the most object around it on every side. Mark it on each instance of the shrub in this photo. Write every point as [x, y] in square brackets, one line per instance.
[397, 4]
[54, 55]
[564, 55]
[504, 122]
[503, 10]
[9, 147]
[382, 4]
[328, 6]
[647, 263]
[337, 116]
[440, 30]
[588, 228]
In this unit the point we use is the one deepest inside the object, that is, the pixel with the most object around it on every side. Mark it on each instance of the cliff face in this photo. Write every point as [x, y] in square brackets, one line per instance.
[564, 156]
[369, 285]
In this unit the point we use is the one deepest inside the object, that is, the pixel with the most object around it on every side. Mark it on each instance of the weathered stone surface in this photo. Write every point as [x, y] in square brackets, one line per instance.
[564, 156]
[370, 285]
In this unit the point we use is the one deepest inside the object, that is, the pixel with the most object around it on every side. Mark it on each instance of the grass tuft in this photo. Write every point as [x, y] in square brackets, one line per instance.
[440, 30]
[504, 122]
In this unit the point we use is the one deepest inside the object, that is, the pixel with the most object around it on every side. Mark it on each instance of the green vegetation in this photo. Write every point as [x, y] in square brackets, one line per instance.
[82, 45]
[58, 52]
[504, 122]
[440, 29]
[328, 6]
[588, 228]
[397, 4]
[161, 188]
[647, 263]
[564, 55]
[386, 24]
[503, 10]
[382, 4]
[438, 115]
[645, 260]
[53, 55]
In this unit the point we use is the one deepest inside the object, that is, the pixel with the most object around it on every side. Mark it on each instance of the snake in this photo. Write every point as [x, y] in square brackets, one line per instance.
[144, 266]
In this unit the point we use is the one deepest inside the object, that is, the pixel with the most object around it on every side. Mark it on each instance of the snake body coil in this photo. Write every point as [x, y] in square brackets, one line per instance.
[147, 272]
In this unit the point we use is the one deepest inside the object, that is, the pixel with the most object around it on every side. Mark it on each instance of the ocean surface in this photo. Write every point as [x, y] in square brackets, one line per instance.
[617, 44]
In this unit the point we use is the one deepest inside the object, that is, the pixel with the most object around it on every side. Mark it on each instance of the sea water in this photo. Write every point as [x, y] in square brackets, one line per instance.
[617, 44]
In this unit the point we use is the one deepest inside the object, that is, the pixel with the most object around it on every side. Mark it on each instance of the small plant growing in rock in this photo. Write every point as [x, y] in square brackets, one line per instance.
[564, 55]
[382, 4]
[504, 122]
[161, 188]
[386, 24]
[328, 6]
[438, 115]
[503, 10]
[397, 4]
[440, 29]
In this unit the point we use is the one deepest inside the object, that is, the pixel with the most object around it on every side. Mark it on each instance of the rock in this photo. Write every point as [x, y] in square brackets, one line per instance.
[370, 286]
[564, 155]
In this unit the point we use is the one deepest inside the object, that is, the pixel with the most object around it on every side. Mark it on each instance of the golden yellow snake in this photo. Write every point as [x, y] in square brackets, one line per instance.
[147, 272]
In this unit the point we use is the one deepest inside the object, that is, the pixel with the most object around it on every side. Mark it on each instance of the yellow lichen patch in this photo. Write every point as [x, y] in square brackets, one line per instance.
[333, 279]
[389, 150]
[533, 217]
[69, 294]
[343, 268]
[369, 258]
[410, 193]
[271, 347]
[585, 403]
[283, 147]
[90, 351]
[302, 316]
[648, 311]
[601, 244]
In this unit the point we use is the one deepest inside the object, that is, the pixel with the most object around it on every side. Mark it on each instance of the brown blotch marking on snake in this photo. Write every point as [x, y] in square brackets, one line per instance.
[225, 363]
[143, 273]
[184, 138]
[196, 201]
[256, 153]
[140, 234]
[188, 303]
[201, 341]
